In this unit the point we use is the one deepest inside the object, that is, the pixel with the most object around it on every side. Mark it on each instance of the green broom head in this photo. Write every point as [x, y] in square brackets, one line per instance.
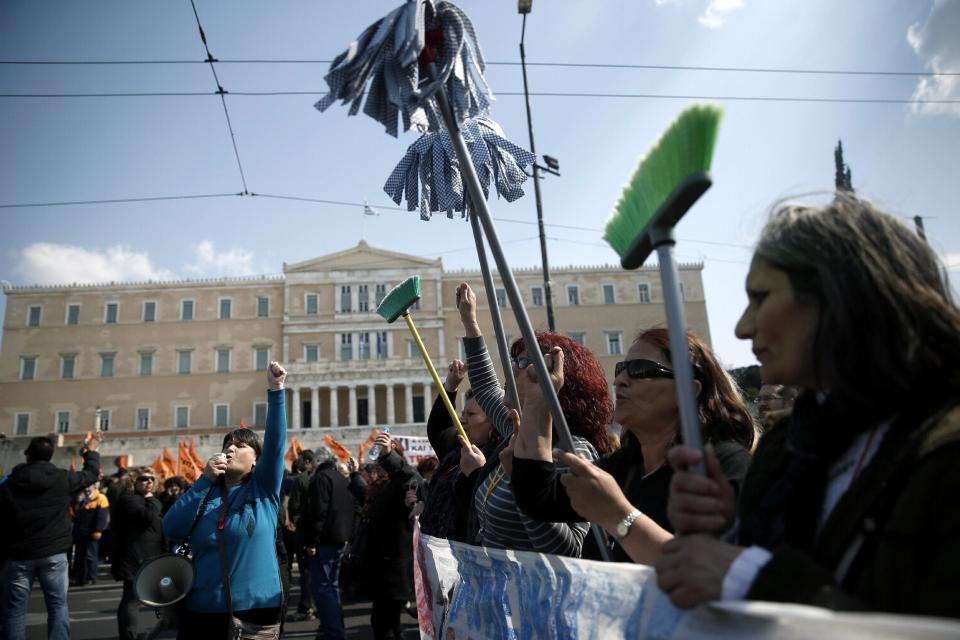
[685, 149]
[400, 299]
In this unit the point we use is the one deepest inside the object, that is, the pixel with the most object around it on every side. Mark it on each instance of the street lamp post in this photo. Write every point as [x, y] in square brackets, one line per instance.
[524, 7]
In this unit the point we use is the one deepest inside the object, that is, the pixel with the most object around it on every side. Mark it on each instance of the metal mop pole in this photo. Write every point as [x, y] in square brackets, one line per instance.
[479, 207]
[502, 346]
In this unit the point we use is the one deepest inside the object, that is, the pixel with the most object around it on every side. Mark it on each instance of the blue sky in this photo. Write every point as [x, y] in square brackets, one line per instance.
[903, 155]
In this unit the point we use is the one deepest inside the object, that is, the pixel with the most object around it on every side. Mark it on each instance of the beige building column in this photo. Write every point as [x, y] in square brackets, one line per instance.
[334, 409]
[353, 405]
[408, 401]
[315, 407]
[372, 404]
[295, 413]
[391, 412]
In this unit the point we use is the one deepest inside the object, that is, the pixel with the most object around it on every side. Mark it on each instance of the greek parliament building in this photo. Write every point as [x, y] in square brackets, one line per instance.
[163, 360]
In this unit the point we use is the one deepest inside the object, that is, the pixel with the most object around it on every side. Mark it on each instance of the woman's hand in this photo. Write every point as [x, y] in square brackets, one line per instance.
[699, 504]
[529, 380]
[456, 372]
[691, 569]
[471, 458]
[467, 305]
[275, 376]
[383, 439]
[216, 467]
[352, 465]
[593, 492]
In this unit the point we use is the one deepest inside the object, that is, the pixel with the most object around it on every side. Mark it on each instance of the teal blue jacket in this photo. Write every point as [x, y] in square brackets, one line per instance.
[250, 528]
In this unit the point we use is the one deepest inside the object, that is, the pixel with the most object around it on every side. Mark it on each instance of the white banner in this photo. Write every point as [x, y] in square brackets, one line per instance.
[416, 447]
[474, 592]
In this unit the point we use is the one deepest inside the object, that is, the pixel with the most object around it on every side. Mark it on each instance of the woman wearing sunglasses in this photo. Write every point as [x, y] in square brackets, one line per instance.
[626, 491]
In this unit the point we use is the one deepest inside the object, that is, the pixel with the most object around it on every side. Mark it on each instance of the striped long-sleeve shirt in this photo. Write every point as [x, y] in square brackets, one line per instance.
[502, 523]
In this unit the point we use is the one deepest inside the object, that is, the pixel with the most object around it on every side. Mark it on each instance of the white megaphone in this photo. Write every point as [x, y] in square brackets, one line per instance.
[164, 580]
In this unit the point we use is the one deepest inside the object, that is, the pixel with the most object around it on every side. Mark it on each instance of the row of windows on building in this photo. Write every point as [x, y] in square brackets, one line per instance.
[222, 362]
[608, 295]
[150, 313]
[369, 346]
[142, 418]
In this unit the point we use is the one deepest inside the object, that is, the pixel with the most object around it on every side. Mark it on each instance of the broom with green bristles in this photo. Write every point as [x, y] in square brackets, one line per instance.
[670, 178]
[397, 303]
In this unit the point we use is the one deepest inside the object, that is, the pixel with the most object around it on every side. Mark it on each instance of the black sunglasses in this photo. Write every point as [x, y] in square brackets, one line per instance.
[522, 362]
[146, 479]
[641, 368]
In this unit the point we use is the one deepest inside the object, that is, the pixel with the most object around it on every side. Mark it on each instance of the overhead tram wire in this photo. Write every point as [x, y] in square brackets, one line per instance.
[222, 93]
[70, 203]
[544, 94]
[568, 65]
[392, 209]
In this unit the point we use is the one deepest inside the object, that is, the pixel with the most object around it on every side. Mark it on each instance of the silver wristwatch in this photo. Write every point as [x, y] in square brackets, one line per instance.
[623, 527]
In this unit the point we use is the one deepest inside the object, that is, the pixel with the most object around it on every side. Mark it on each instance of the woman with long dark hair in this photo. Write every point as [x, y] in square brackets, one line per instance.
[626, 491]
[852, 502]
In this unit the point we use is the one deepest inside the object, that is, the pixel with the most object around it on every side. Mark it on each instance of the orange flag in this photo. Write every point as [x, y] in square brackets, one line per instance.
[364, 446]
[169, 463]
[294, 451]
[337, 448]
[243, 426]
[186, 466]
[159, 468]
[196, 457]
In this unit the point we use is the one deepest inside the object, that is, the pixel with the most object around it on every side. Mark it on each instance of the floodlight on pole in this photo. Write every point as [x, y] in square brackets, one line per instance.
[524, 7]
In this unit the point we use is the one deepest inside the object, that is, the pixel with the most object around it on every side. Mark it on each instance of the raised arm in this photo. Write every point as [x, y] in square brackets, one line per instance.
[269, 470]
[440, 429]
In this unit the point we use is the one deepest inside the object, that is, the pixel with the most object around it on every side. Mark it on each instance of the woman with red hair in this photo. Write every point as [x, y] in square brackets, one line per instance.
[626, 492]
[493, 517]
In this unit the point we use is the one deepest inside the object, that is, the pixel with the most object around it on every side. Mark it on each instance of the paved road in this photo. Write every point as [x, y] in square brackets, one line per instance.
[93, 614]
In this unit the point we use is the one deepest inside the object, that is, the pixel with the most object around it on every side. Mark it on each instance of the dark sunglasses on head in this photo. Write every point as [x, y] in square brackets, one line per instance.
[146, 479]
[522, 362]
[641, 368]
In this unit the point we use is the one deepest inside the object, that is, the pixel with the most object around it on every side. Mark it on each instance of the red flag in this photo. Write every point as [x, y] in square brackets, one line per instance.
[243, 426]
[337, 448]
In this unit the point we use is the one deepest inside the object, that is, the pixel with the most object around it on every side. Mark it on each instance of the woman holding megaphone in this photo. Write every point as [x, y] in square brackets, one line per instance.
[232, 514]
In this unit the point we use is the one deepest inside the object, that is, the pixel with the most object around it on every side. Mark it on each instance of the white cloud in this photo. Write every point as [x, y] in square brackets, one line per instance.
[51, 263]
[936, 42]
[716, 12]
[210, 262]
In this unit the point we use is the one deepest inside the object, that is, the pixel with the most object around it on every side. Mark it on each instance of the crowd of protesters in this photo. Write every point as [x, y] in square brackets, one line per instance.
[839, 493]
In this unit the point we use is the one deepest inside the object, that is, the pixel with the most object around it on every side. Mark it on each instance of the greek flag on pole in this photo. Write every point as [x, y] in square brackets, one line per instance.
[475, 592]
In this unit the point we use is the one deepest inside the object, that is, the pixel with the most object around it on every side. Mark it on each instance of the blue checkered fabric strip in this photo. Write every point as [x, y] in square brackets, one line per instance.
[381, 73]
[429, 173]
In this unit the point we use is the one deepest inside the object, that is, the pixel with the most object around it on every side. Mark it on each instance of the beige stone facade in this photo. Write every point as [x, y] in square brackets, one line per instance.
[164, 360]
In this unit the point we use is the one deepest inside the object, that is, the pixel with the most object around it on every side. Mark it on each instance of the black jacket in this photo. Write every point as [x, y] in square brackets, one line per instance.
[539, 493]
[388, 554]
[327, 509]
[34, 502]
[137, 533]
